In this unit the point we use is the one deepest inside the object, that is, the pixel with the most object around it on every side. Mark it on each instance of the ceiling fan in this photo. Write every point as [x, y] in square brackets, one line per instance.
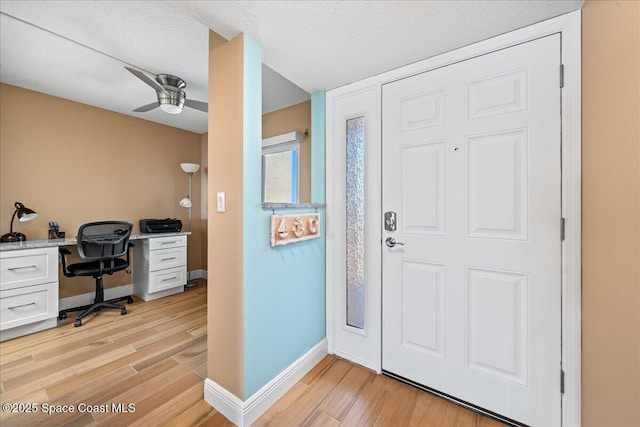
[170, 92]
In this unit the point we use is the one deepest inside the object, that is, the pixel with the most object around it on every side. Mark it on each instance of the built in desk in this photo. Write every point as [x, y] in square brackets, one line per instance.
[29, 277]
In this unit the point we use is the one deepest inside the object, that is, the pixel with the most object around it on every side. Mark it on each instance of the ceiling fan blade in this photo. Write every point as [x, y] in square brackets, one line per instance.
[142, 76]
[198, 105]
[147, 107]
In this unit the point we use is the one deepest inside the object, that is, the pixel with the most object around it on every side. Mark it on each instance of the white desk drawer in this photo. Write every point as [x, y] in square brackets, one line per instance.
[167, 258]
[167, 279]
[27, 305]
[167, 242]
[28, 267]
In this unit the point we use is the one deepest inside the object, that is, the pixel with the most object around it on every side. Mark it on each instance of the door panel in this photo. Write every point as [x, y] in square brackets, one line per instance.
[423, 307]
[424, 164]
[497, 183]
[491, 329]
[471, 165]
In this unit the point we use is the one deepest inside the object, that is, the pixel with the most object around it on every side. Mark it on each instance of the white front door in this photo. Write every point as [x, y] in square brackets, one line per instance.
[471, 167]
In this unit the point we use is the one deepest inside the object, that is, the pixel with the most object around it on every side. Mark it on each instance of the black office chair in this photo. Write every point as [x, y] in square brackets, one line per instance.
[102, 246]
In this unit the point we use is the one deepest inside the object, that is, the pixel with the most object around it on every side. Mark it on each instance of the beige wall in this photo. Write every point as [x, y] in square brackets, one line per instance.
[611, 213]
[73, 163]
[225, 230]
[294, 118]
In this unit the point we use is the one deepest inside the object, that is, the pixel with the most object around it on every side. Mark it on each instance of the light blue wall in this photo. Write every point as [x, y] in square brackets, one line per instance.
[284, 287]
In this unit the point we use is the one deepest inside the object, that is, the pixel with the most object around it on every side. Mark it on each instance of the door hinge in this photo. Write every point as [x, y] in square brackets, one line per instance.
[561, 75]
[561, 381]
[562, 221]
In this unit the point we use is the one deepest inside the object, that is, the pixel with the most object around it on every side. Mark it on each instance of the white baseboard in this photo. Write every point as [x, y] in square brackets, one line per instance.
[120, 291]
[197, 274]
[85, 299]
[243, 414]
[30, 328]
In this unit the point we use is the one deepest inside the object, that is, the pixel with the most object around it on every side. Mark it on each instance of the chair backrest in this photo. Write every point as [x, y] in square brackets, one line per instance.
[103, 240]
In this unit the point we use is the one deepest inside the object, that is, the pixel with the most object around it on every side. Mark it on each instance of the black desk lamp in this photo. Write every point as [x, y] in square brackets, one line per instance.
[24, 214]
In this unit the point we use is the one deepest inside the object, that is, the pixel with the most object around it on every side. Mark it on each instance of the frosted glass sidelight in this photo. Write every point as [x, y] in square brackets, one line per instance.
[355, 221]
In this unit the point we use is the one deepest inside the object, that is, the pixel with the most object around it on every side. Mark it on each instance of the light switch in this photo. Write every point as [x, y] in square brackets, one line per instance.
[221, 202]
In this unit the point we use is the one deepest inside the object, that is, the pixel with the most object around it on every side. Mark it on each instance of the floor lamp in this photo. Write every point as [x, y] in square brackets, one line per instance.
[190, 169]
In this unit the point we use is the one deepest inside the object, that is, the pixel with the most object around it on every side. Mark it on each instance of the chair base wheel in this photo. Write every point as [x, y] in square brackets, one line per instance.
[123, 311]
[77, 323]
[129, 300]
[62, 316]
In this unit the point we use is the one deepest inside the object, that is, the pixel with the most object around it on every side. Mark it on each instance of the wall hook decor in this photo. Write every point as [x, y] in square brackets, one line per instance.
[293, 228]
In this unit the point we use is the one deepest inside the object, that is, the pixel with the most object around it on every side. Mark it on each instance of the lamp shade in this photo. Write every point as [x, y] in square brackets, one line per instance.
[190, 167]
[185, 202]
[24, 214]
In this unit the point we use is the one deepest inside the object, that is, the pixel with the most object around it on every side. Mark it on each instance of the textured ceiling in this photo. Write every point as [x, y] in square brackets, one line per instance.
[317, 45]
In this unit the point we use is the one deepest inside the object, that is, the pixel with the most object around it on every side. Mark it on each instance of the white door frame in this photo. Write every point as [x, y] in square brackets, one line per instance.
[569, 26]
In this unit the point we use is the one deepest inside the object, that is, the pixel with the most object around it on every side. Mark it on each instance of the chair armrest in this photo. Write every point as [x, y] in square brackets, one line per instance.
[63, 257]
[129, 251]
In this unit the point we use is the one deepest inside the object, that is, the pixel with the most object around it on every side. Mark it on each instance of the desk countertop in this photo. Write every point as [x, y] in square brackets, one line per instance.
[47, 243]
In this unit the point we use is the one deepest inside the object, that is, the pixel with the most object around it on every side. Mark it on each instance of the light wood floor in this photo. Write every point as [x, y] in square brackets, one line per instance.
[155, 358]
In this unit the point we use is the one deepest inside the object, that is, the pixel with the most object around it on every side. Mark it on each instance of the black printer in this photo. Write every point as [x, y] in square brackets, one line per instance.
[167, 225]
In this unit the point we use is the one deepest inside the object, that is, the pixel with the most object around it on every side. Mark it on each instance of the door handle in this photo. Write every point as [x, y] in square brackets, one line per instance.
[391, 242]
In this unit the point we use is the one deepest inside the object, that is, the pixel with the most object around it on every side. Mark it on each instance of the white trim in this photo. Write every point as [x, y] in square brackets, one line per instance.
[245, 413]
[295, 137]
[572, 212]
[197, 274]
[569, 27]
[86, 299]
[27, 329]
[361, 346]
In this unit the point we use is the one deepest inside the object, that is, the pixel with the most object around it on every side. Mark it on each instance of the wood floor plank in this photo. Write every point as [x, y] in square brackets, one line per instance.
[303, 407]
[322, 419]
[17, 365]
[193, 415]
[483, 421]
[104, 371]
[399, 405]
[84, 420]
[170, 351]
[51, 376]
[424, 404]
[173, 407]
[199, 330]
[436, 415]
[346, 392]
[149, 403]
[198, 346]
[215, 419]
[61, 361]
[281, 405]
[367, 407]
[317, 370]
[20, 419]
[124, 390]
[64, 393]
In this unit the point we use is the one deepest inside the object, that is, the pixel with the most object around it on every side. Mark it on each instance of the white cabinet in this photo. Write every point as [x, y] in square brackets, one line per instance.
[159, 267]
[28, 291]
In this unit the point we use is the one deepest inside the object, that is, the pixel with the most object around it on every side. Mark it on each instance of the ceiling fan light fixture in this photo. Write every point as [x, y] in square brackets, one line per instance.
[173, 101]
[169, 90]
[171, 109]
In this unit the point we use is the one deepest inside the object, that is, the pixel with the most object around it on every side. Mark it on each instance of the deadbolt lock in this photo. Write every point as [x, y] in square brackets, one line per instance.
[390, 221]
